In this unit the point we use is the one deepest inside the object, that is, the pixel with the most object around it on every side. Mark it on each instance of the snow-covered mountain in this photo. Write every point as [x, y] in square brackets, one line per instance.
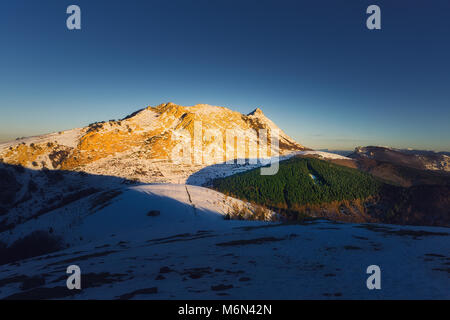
[47, 176]
[140, 146]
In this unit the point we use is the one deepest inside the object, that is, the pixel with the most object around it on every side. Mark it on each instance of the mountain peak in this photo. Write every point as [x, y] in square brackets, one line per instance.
[145, 136]
[256, 112]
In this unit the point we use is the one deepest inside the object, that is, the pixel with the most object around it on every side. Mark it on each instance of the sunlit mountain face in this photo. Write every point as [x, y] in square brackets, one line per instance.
[131, 147]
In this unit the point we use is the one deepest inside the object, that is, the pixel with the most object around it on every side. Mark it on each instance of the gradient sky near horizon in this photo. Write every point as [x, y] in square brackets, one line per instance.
[312, 66]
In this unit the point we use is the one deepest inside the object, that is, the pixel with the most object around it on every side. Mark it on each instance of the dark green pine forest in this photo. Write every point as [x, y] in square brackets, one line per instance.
[300, 181]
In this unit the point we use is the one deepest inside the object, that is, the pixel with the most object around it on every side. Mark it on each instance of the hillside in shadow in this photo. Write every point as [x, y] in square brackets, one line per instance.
[426, 202]
[43, 211]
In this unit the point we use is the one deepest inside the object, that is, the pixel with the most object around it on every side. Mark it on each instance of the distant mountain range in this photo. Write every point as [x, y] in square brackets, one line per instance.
[418, 159]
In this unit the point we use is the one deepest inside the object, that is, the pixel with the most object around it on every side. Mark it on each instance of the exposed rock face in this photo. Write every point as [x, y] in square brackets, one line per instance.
[140, 145]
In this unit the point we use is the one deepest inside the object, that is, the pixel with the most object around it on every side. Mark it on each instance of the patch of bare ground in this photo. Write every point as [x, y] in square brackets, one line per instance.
[102, 246]
[196, 273]
[360, 238]
[82, 258]
[43, 293]
[349, 247]
[436, 255]
[146, 291]
[442, 269]
[311, 266]
[221, 287]
[249, 241]
[90, 280]
[153, 213]
[51, 256]
[187, 237]
[13, 279]
[181, 237]
[244, 279]
[432, 257]
[238, 272]
[337, 294]
[165, 269]
[416, 234]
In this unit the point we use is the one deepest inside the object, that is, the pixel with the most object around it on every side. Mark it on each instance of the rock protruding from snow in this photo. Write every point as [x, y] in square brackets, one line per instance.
[141, 146]
[256, 112]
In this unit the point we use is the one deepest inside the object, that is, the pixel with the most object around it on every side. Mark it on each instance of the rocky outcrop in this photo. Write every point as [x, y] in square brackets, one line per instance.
[139, 140]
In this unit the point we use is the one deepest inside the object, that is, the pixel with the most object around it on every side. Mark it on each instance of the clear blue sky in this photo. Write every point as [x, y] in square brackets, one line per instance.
[311, 66]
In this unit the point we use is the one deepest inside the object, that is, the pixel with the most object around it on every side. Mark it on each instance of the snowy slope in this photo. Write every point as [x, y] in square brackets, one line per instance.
[67, 138]
[323, 154]
[195, 254]
[179, 206]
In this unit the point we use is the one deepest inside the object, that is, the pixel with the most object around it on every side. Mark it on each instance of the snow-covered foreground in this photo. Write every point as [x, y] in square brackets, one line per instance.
[172, 242]
[178, 208]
